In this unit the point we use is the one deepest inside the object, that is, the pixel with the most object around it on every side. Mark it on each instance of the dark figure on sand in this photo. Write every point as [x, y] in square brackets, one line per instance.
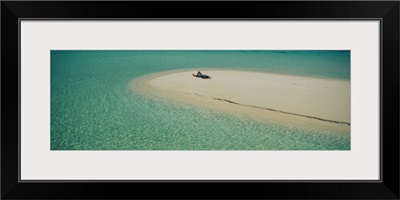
[200, 75]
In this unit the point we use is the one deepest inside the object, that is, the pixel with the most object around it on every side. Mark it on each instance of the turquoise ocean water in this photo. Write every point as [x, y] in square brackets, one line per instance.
[93, 108]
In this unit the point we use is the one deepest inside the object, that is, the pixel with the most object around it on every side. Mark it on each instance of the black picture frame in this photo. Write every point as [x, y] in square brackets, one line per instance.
[13, 11]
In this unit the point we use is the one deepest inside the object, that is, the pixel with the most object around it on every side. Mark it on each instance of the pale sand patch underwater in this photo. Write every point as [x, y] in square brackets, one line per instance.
[292, 99]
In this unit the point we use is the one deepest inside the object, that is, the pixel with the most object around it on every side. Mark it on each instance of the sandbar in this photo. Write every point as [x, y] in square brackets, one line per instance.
[267, 96]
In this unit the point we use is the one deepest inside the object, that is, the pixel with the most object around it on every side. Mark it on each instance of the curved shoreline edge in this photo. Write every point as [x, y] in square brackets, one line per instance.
[297, 99]
[289, 113]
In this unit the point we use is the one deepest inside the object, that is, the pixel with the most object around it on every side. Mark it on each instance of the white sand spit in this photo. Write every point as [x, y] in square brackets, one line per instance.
[274, 96]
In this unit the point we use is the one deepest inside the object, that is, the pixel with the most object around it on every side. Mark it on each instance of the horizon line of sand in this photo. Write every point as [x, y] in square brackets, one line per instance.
[265, 96]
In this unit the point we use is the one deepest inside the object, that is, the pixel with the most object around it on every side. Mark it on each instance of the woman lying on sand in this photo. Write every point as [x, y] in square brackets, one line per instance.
[200, 75]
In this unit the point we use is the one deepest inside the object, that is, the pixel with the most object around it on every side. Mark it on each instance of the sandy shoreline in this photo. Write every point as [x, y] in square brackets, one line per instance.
[303, 100]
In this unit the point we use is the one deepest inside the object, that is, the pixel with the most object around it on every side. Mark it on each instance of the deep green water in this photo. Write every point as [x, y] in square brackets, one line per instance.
[92, 107]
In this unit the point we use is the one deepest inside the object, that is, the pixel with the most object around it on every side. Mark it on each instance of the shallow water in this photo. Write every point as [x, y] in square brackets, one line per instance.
[93, 108]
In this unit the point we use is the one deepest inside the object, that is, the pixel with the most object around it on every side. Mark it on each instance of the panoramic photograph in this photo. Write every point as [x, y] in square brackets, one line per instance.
[200, 100]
